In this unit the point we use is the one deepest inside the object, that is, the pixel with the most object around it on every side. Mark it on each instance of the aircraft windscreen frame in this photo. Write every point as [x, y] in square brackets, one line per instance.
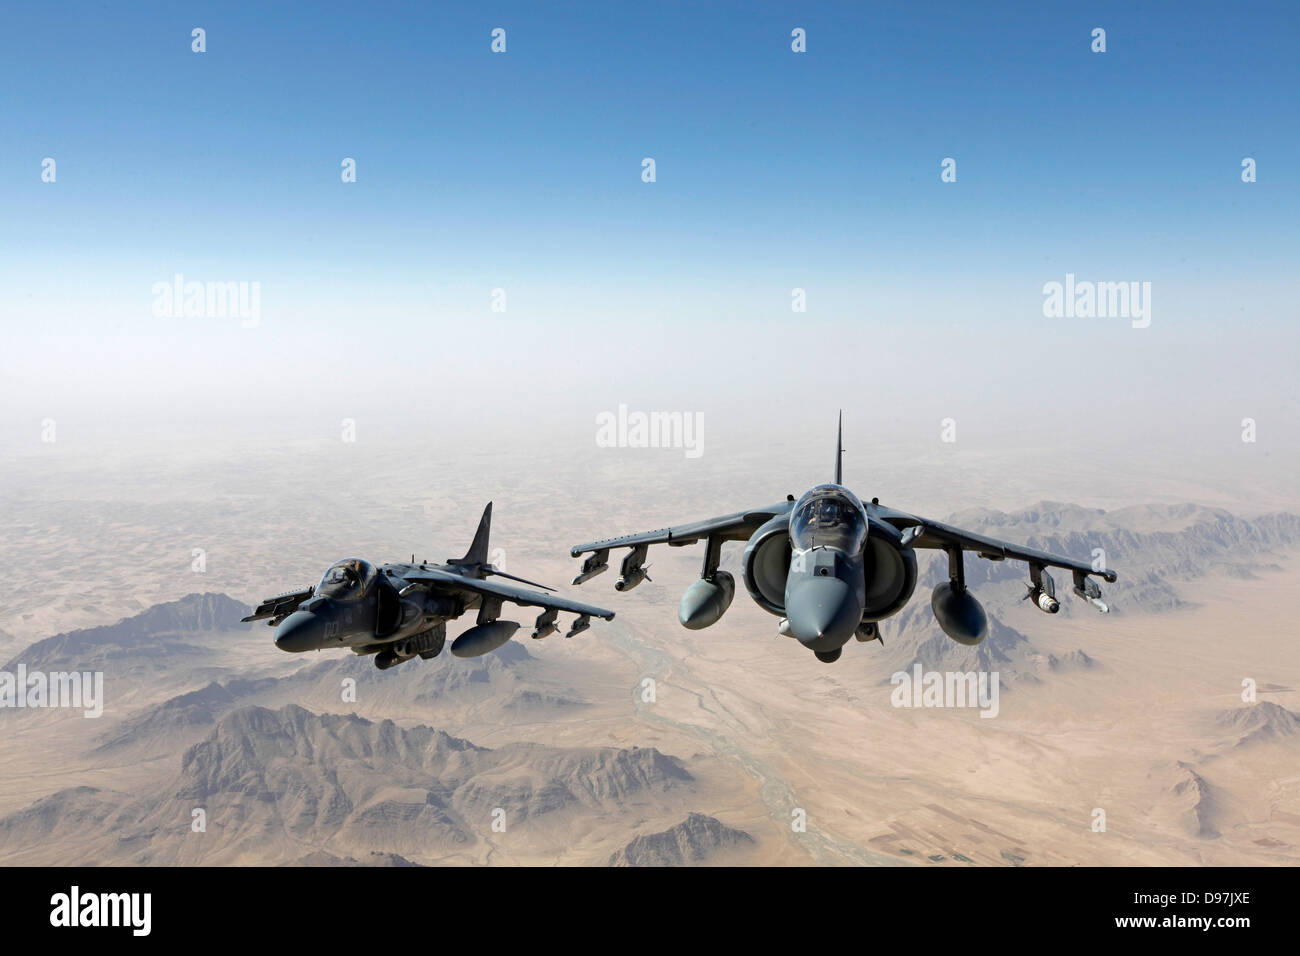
[829, 516]
[349, 579]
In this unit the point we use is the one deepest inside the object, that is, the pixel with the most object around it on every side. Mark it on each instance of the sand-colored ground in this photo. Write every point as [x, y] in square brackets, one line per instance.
[771, 735]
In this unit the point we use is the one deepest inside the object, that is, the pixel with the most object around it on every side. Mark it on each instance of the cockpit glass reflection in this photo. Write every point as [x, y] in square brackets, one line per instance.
[347, 580]
[830, 518]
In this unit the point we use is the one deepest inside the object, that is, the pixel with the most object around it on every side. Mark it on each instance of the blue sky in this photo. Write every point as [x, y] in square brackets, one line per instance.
[533, 156]
[522, 170]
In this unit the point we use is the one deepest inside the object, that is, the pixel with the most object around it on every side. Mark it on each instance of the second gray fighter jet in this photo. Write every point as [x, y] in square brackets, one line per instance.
[400, 611]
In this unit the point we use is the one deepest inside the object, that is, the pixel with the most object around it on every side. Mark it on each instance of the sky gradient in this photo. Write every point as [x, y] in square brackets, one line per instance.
[522, 171]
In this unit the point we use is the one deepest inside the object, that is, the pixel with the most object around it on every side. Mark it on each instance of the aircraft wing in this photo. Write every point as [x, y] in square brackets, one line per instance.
[732, 527]
[504, 591]
[279, 607]
[926, 533]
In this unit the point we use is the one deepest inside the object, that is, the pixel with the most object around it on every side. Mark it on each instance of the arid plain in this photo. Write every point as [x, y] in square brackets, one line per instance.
[640, 742]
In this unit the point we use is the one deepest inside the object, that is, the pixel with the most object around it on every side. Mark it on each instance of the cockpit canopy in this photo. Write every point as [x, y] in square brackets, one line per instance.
[829, 516]
[347, 580]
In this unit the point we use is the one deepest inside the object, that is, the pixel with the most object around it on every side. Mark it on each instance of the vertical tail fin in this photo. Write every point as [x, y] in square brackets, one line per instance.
[839, 451]
[478, 551]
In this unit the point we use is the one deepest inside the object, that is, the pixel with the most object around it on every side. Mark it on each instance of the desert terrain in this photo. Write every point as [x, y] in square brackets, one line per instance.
[747, 751]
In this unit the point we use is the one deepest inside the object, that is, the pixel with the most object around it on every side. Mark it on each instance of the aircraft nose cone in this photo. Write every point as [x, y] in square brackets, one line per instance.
[823, 612]
[300, 631]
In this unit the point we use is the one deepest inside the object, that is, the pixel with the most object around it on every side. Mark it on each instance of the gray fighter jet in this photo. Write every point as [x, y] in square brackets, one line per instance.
[400, 611]
[832, 568]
